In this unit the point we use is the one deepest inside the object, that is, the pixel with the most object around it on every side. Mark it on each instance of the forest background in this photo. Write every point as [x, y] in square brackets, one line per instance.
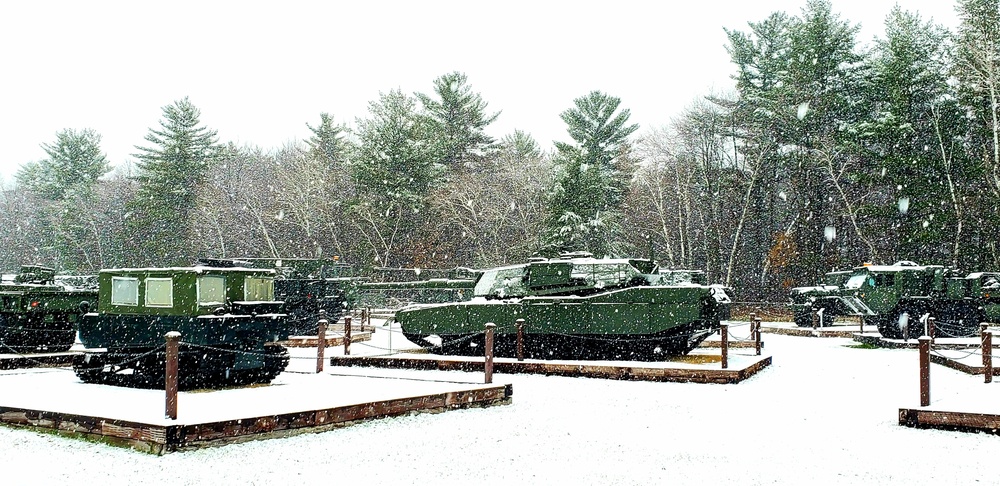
[825, 156]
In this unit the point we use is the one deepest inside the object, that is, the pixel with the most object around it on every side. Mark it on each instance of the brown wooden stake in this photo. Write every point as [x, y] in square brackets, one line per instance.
[490, 329]
[724, 331]
[861, 321]
[347, 335]
[321, 341]
[930, 328]
[173, 350]
[987, 338]
[925, 370]
[368, 315]
[756, 335]
[815, 319]
[520, 339]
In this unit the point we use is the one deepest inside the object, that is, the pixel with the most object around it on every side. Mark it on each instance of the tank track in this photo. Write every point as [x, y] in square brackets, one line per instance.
[196, 369]
[637, 347]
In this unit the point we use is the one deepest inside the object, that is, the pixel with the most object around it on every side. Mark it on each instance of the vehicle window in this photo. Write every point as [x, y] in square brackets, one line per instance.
[211, 289]
[505, 282]
[257, 289]
[124, 291]
[856, 281]
[159, 292]
[884, 280]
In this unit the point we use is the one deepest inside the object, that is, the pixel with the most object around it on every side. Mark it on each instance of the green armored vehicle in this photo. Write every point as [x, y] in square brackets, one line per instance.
[39, 314]
[227, 317]
[897, 298]
[575, 307]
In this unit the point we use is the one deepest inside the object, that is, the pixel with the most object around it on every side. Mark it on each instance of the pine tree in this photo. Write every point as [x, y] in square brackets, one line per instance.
[74, 164]
[170, 173]
[328, 143]
[458, 120]
[394, 166]
[591, 184]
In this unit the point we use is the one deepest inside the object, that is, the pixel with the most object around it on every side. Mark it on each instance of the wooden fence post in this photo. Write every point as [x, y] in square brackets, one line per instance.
[490, 329]
[520, 339]
[987, 339]
[925, 370]
[724, 331]
[173, 350]
[321, 341]
[347, 335]
[815, 315]
[756, 335]
[930, 328]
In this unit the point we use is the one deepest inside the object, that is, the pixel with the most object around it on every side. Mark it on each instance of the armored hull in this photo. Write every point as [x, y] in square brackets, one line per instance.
[37, 314]
[227, 318]
[574, 308]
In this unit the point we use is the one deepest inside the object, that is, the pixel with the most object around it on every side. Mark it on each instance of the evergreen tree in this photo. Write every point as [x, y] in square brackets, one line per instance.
[395, 167]
[170, 173]
[458, 120]
[917, 172]
[74, 164]
[591, 183]
[328, 143]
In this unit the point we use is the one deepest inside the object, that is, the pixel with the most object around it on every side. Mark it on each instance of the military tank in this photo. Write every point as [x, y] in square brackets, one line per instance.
[897, 298]
[227, 317]
[39, 314]
[575, 307]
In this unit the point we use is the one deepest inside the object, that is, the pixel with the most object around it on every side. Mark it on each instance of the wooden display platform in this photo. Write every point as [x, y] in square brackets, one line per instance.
[790, 329]
[15, 361]
[962, 421]
[693, 368]
[876, 339]
[57, 402]
[331, 341]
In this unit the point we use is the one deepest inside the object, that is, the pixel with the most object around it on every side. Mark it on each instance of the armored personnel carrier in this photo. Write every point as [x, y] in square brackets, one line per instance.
[39, 314]
[897, 299]
[575, 307]
[228, 319]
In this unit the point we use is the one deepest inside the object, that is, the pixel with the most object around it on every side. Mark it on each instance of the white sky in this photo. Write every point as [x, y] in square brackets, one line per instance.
[259, 71]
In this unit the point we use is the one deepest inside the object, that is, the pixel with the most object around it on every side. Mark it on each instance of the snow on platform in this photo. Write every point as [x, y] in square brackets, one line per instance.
[838, 329]
[296, 401]
[12, 361]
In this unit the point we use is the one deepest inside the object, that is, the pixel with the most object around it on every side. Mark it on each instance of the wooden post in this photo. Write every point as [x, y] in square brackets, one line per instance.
[347, 335]
[987, 339]
[490, 329]
[756, 335]
[520, 339]
[861, 321]
[368, 314]
[930, 328]
[173, 350]
[321, 341]
[815, 318]
[925, 370]
[724, 331]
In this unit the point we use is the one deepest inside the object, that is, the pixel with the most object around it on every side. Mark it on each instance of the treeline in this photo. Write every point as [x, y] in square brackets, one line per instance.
[826, 155]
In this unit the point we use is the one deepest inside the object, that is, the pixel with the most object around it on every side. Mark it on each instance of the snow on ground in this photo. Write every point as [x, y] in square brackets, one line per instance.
[823, 413]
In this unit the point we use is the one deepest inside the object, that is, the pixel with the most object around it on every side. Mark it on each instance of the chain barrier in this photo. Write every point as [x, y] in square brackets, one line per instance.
[974, 352]
[131, 359]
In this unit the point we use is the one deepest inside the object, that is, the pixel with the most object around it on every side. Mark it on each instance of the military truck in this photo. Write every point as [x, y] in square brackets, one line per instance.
[39, 314]
[897, 298]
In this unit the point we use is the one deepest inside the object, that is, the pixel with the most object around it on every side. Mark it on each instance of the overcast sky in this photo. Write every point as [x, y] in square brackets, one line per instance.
[259, 71]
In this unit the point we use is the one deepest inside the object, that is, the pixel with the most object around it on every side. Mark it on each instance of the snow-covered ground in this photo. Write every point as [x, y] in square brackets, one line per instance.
[823, 413]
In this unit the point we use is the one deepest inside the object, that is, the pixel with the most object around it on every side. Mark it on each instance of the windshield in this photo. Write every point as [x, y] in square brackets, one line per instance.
[856, 281]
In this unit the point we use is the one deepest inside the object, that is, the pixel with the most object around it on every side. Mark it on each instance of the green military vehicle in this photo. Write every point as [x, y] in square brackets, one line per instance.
[39, 314]
[228, 319]
[575, 307]
[897, 299]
